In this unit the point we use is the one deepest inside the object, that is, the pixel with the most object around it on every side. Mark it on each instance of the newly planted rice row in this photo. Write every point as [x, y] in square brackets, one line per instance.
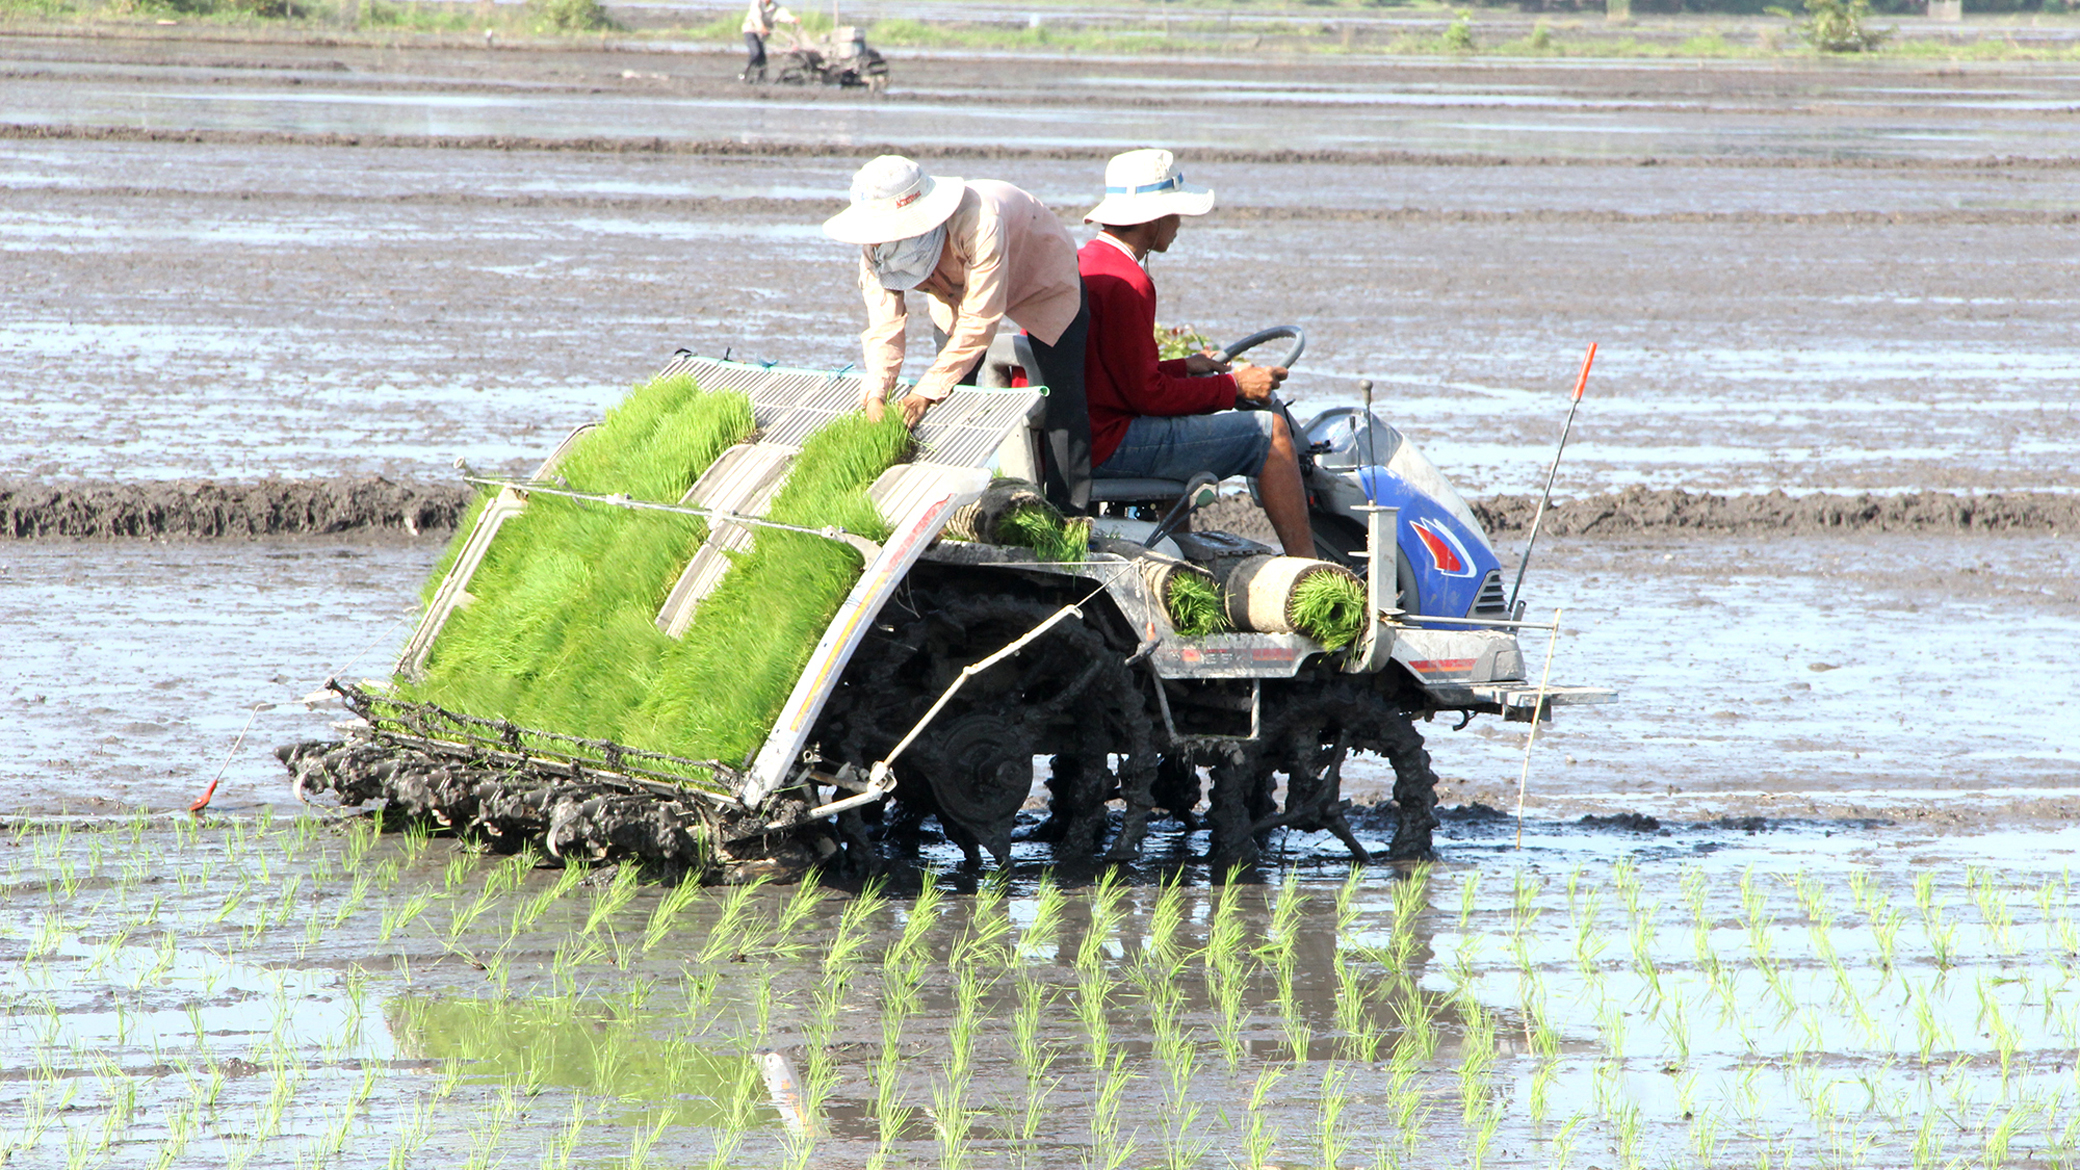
[256, 993]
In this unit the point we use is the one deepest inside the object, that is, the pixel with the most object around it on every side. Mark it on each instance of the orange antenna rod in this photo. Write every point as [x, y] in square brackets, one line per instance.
[1524, 562]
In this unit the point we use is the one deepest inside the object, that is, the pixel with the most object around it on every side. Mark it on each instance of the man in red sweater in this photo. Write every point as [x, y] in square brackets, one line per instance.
[1172, 419]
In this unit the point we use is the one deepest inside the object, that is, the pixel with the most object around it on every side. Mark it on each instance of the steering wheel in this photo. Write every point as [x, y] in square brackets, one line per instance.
[1233, 350]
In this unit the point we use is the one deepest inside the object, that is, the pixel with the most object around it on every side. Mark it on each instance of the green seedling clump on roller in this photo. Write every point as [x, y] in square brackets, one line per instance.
[1043, 530]
[1330, 608]
[561, 634]
[1195, 606]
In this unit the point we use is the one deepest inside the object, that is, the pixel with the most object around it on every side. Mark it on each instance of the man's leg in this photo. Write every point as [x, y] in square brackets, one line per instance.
[1283, 494]
[1067, 462]
[1232, 442]
[755, 49]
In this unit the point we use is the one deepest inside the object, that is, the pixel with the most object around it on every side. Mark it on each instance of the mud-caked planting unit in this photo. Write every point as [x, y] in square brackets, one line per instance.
[737, 627]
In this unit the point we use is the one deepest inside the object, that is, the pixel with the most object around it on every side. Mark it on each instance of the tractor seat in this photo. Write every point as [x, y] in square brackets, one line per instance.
[1135, 491]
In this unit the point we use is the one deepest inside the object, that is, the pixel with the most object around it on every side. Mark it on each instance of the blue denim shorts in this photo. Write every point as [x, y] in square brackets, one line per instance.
[1232, 442]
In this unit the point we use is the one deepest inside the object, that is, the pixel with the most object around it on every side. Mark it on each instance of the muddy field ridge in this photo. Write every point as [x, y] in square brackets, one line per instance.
[216, 509]
[752, 148]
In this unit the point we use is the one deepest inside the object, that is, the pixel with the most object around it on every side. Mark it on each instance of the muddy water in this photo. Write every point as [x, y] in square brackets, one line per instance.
[241, 993]
[944, 102]
[1887, 676]
[389, 311]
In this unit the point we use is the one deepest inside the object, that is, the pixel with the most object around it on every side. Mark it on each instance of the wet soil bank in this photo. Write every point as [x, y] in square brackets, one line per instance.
[1639, 509]
[739, 147]
[1644, 510]
[283, 507]
[203, 508]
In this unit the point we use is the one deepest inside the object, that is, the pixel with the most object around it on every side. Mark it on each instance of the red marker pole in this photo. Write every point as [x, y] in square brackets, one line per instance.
[1581, 383]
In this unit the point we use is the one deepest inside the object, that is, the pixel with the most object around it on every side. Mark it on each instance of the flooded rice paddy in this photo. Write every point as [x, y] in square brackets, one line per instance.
[262, 991]
[1819, 913]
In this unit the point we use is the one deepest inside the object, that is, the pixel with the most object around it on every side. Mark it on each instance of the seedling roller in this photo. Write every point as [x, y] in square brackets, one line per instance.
[953, 637]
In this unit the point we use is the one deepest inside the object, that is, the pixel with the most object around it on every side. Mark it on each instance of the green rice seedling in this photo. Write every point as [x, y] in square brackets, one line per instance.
[1165, 918]
[1625, 879]
[1628, 1135]
[1331, 1142]
[1195, 606]
[1676, 1020]
[459, 865]
[1113, 1080]
[1034, 1059]
[1542, 1079]
[1282, 933]
[413, 841]
[890, 1115]
[1261, 1137]
[461, 919]
[1227, 990]
[732, 934]
[396, 918]
[1999, 919]
[950, 1098]
[1612, 1020]
[1361, 1039]
[1046, 906]
[1329, 607]
[1093, 1001]
[1588, 943]
[1226, 936]
[850, 937]
[922, 917]
[796, 913]
[1105, 917]
[1477, 1057]
[1048, 534]
[612, 898]
[1643, 951]
[1469, 894]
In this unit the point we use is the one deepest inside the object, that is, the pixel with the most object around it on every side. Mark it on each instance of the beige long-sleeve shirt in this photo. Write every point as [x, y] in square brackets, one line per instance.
[762, 15]
[1006, 255]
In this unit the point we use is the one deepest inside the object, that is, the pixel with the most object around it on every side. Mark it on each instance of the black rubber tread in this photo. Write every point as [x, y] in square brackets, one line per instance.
[1307, 728]
[1069, 694]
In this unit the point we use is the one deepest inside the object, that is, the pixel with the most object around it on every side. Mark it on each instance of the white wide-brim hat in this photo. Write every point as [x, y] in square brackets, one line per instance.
[893, 199]
[1142, 185]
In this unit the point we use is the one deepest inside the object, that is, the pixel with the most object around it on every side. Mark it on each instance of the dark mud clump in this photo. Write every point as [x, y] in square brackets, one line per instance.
[209, 509]
[583, 818]
[1627, 822]
[1641, 510]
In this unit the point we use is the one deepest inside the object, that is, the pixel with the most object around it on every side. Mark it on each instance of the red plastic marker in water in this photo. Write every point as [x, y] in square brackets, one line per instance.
[202, 802]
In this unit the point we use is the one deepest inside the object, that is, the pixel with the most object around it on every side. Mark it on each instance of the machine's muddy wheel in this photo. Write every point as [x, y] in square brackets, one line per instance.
[1068, 694]
[979, 764]
[1308, 730]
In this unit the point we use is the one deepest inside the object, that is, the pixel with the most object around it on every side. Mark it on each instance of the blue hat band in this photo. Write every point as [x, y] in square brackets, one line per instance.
[1170, 184]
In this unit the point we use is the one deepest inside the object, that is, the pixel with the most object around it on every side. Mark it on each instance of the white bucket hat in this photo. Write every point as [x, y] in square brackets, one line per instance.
[1142, 185]
[893, 199]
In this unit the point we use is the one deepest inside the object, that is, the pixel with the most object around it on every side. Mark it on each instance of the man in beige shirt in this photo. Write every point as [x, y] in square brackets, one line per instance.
[759, 20]
[981, 252]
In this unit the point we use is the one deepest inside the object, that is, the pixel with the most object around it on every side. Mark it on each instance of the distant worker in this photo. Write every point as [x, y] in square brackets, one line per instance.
[759, 20]
[1173, 419]
[981, 252]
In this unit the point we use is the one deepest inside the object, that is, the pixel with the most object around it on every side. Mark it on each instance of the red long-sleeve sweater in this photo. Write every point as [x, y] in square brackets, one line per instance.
[1122, 380]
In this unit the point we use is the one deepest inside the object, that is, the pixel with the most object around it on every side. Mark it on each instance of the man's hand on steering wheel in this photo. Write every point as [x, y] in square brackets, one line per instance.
[1255, 384]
